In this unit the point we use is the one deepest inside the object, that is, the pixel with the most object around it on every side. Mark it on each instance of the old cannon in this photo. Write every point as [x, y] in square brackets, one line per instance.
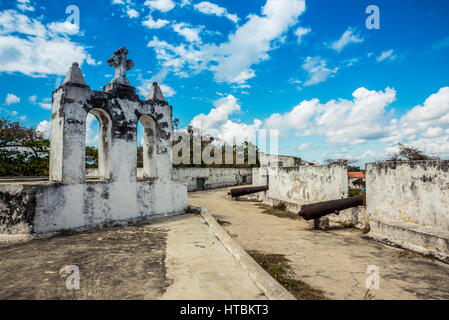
[245, 191]
[321, 209]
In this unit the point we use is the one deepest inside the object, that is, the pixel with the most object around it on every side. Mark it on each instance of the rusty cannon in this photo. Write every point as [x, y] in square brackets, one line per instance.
[321, 209]
[245, 191]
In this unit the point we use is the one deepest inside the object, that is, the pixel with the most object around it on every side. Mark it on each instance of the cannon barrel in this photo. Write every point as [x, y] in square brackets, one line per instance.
[245, 191]
[320, 209]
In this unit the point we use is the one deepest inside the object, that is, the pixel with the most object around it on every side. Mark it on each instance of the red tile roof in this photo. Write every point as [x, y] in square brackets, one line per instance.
[356, 175]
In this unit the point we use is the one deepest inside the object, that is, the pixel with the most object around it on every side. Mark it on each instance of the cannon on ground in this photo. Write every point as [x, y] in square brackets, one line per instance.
[245, 191]
[321, 209]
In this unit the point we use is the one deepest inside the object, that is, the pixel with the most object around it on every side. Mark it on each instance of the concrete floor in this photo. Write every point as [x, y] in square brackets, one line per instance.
[173, 258]
[334, 261]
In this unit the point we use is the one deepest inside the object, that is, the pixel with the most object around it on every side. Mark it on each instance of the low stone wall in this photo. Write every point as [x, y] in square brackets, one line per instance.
[211, 178]
[46, 207]
[296, 186]
[408, 205]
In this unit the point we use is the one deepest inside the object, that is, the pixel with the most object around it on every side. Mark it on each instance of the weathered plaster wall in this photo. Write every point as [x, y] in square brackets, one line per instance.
[214, 177]
[408, 204]
[302, 185]
[67, 201]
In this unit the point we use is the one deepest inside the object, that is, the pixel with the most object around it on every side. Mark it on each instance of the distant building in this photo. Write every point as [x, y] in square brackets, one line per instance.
[269, 160]
[355, 176]
[309, 163]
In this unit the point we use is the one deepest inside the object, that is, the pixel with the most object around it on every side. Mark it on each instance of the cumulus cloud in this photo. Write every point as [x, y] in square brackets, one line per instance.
[155, 24]
[29, 47]
[191, 34]
[160, 5]
[25, 5]
[145, 87]
[232, 60]
[217, 123]
[341, 121]
[300, 32]
[11, 99]
[213, 9]
[386, 55]
[317, 70]
[46, 106]
[347, 38]
[44, 127]
[132, 13]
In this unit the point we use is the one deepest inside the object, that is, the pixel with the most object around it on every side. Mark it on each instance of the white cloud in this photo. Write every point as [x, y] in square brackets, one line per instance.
[251, 42]
[161, 5]
[190, 33]
[347, 38]
[39, 50]
[32, 98]
[218, 124]
[213, 9]
[303, 146]
[435, 109]
[433, 132]
[11, 99]
[46, 106]
[63, 28]
[155, 24]
[145, 87]
[14, 113]
[386, 55]
[185, 3]
[341, 121]
[44, 127]
[317, 70]
[232, 61]
[301, 32]
[132, 13]
[24, 5]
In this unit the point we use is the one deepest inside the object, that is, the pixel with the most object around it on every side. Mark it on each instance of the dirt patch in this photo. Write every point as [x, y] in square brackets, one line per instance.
[411, 254]
[278, 211]
[277, 265]
[121, 263]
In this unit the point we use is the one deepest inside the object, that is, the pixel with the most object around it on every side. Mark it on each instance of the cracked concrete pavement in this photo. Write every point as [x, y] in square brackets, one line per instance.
[334, 261]
[171, 258]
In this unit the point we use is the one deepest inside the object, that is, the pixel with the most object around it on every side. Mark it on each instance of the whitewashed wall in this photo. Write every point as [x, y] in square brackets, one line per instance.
[214, 177]
[302, 185]
[408, 204]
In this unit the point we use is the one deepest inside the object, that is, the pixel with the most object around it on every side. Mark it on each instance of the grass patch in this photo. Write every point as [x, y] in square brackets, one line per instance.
[278, 211]
[277, 266]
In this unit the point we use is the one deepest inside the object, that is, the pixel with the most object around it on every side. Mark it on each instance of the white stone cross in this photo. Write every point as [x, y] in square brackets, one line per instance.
[121, 65]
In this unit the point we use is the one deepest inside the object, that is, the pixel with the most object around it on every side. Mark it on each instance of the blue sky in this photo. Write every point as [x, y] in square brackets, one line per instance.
[310, 69]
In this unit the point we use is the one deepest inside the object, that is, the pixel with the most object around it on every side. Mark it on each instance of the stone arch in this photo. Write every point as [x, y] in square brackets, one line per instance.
[104, 143]
[149, 146]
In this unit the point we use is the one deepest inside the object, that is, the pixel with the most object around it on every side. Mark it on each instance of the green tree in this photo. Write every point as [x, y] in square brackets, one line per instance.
[23, 151]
